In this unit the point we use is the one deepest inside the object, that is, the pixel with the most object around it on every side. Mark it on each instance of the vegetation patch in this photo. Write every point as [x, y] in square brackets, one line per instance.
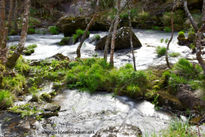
[161, 51]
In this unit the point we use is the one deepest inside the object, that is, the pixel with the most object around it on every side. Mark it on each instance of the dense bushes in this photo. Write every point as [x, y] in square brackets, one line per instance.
[95, 74]
[161, 51]
[186, 73]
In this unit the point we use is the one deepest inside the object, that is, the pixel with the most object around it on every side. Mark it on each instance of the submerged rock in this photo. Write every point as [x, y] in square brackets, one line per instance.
[52, 107]
[122, 40]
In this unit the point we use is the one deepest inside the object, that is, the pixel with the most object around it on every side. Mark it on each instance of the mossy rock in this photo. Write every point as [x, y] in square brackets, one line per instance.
[65, 41]
[165, 99]
[52, 107]
[68, 25]
[46, 97]
[35, 98]
[122, 40]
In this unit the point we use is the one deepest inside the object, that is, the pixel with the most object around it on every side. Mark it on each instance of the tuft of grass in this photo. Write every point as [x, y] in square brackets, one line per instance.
[29, 50]
[161, 51]
[64, 41]
[79, 33]
[6, 99]
[97, 37]
[31, 31]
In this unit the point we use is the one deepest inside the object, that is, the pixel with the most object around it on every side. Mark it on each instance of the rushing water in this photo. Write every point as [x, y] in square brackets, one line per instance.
[83, 114]
[145, 56]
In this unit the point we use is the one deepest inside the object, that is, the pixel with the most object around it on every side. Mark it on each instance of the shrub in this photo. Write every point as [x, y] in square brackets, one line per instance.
[161, 51]
[22, 66]
[186, 69]
[6, 99]
[53, 30]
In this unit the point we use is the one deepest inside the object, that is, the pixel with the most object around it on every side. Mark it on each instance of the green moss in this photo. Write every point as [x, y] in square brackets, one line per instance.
[26, 110]
[181, 34]
[6, 99]
[64, 41]
[15, 84]
[22, 66]
[46, 97]
[29, 49]
[174, 54]
[53, 30]
[97, 37]
[161, 51]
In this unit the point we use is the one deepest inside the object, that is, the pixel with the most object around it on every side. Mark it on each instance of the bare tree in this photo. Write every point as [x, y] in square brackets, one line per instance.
[3, 32]
[131, 41]
[107, 43]
[86, 30]
[172, 35]
[11, 3]
[117, 19]
[190, 16]
[108, 39]
[199, 37]
[14, 57]
[15, 25]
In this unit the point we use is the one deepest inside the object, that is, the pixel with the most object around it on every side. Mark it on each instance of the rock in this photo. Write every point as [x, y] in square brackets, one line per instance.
[166, 99]
[60, 56]
[189, 99]
[46, 97]
[68, 25]
[114, 131]
[48, 114]
[66, 41]
[122, 40]
[52, 107]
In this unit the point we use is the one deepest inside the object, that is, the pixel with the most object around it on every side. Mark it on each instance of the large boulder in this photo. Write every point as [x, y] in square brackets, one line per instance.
[69, 25]
[122, 40]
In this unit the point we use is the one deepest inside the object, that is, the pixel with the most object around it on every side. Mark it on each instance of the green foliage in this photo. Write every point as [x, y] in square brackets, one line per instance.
[22, 66]
[6, 99]
[174, 54]
[79, 33]
[64, 41]
[179, 129]
[14, 84]
[26, 110]
[29, 49]
[53, 30]
[186, 69]
[181, 34]
[185, 72]
[167, 29]
[96, 75]
[162, 40]
[161, 51]
[156, 28]
[143, 15]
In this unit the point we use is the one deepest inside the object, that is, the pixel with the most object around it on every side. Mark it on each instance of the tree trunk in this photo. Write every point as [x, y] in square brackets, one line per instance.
[11, 3]
[3, 32]
[190, 16]
[114, 35]
[86, 31]
[172, 35]
[199, 38]
[107, 43]
[15, 26]
[131, 41]
[12, 60]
